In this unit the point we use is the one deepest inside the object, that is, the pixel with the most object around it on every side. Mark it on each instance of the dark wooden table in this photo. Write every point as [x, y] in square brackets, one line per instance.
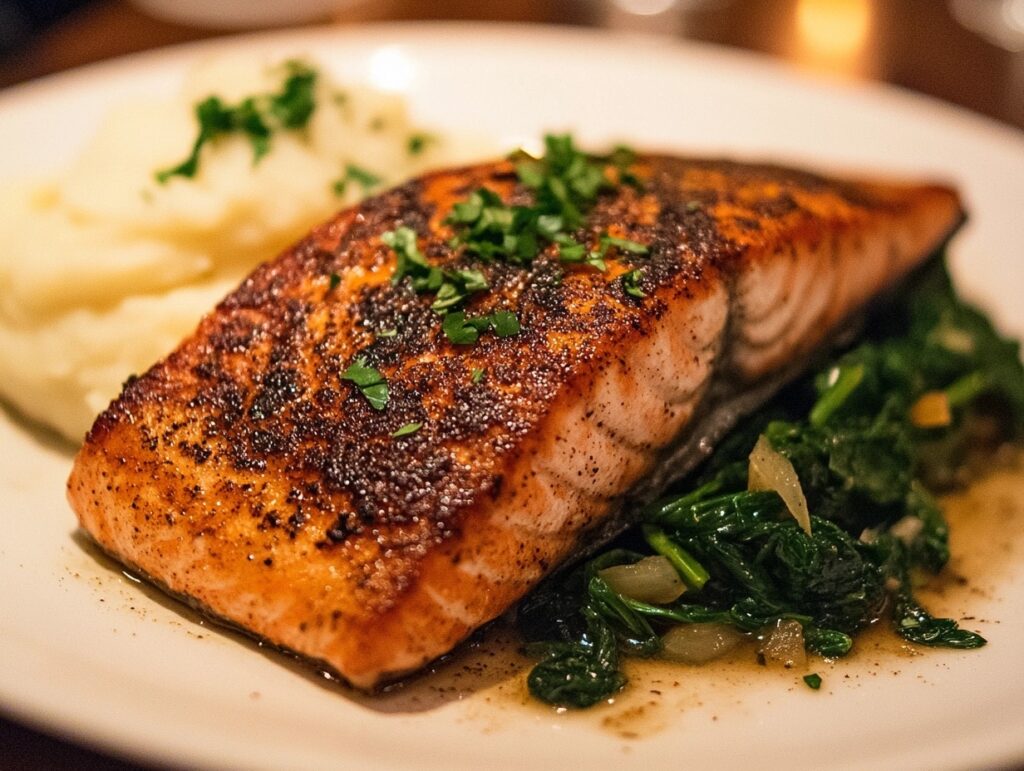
[917, 44]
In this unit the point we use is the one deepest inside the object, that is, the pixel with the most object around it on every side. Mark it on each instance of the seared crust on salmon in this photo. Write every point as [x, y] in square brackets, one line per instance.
[244, 473]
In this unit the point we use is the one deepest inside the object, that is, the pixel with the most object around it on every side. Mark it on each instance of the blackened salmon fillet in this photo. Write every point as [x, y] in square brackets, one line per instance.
[247, 474]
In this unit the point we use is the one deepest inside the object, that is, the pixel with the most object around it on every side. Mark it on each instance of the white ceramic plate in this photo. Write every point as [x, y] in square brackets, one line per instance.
[87, 653]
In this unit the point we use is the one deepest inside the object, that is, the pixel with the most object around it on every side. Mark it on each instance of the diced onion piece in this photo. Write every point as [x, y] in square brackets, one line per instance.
[956, 340]
[931, 410]
[652, 579]
[783, 644]
[907, 529]
[697, 643]
[868, 535]
[771, 470]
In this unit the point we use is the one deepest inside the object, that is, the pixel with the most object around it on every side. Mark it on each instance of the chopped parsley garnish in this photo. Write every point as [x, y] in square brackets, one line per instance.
[476, 375]
[504, 324]
[451, 287]
[464, 330]
[408, 428]
[621, 158]
[255, 117]
[813, 681]
[334, 281]
[630, 283]
[566, 183]
[571, 251]
[622, 243]
[387, 333]
[369, 381]
[410, 262]
[456, 286]
[419, 142]
[367, 180]
[458, 329]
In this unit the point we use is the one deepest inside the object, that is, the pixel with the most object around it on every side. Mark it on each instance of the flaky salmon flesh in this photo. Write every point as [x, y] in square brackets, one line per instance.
[245, 474]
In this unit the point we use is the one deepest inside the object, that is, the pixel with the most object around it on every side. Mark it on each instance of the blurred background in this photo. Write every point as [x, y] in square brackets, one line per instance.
[967, 52]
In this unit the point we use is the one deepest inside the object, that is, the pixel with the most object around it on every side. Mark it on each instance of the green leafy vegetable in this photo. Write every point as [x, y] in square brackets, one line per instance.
[579, 673]
[369, 382]
[909, 619]
[458, 329]
[631, 283]
[569, 250]
[410, 262]
[456, 286]
[367, 180]
[408, 428]
[566, 183]
[867, 472]
[419, 142]
[813, 681]
[255, 117]
[504, 324]
[451, 287]
[464, 330]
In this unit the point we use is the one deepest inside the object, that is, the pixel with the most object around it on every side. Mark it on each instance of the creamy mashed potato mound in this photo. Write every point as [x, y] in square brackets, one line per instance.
[103, 270]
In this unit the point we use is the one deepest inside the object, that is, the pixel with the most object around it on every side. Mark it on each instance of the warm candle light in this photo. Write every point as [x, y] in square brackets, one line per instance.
[833, 29]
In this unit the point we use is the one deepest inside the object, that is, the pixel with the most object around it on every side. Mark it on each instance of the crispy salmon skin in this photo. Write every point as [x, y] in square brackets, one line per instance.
[246, 474]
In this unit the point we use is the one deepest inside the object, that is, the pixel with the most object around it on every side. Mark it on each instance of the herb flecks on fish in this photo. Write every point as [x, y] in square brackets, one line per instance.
[369, 381]
[565, 184]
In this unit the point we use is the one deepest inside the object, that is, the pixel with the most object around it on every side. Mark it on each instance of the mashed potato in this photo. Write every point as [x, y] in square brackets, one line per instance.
[104, 270]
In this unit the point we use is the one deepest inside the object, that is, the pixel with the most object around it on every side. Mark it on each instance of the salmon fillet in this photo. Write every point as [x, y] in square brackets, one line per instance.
[244, 474]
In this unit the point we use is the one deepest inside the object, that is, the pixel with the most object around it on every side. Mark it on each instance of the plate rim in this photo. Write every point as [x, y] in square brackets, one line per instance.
[169, 56]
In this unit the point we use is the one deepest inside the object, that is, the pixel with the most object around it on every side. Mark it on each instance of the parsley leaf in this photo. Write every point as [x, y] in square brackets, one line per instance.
[294, 104]
[622, 157]
[569, 250]
[476, 375]
[457, 330]
[813, 681]
[633, 247]
[419, 142]
[566, 183]
[451, 286]
[504, 324]
[463, 330]
[369, 381]
[408, 428]
[456, 286]
[255, 117]
[367, 180]
[410, 262]
[630, 283]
